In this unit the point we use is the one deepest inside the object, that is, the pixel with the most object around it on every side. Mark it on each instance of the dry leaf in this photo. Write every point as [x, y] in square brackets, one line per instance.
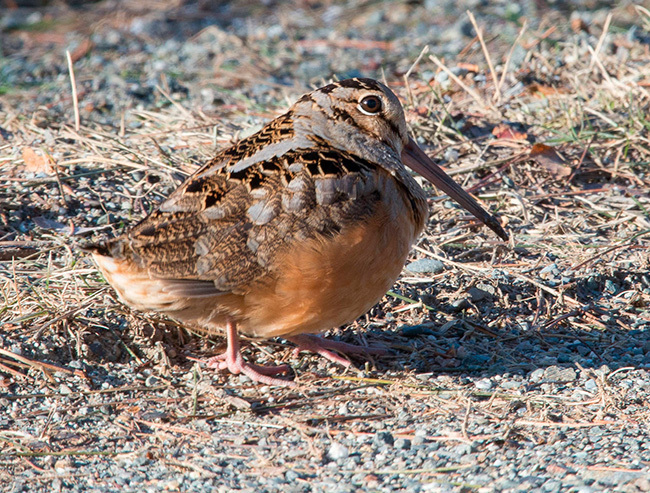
[548, 157]
[35, 163]
[504, 131]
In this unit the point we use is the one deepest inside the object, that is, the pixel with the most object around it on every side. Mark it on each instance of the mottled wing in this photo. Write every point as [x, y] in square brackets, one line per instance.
[226, 225]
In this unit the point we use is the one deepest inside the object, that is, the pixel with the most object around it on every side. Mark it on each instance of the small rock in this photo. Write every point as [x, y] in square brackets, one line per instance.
[383, 438]
[338, 451]
[549, 272]
[510, 384]
[482, 290]
[291, 475]
[460, 304]
[484, 384]
[403, 444]
[416, 330]
[552, 486]
[463, 449]
[420, 437]
[63, 465]
[537, 375]
[591, 385]
[476, 294]
[172, 485]
[557, 374]
[151, 381]
[451, 154]
[426, 266]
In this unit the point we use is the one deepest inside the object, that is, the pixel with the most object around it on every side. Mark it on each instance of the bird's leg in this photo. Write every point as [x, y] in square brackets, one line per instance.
[233, 361]
[325, 347]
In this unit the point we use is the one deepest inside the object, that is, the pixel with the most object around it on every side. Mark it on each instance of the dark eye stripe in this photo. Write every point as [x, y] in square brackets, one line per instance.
[341, 114]
[394, 128]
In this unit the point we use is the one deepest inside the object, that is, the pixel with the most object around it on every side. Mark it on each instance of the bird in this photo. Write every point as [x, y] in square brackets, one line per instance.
[294, 230]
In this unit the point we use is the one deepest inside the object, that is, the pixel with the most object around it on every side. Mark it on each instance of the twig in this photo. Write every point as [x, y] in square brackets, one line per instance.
[601, 41]
[561, 296]
[610, 249]
[486, 53]
[391, 472]
[73, 84]
[451, 262]
[424, 51]
[553, 424]
[69, 453]
[15, 373]
[174, 102]
[37, 364]
[87, 392]
[509, 57]
[602, 68]
[408, 300]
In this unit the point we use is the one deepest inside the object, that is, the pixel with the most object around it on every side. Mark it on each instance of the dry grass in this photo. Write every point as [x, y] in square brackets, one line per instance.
[560, 151]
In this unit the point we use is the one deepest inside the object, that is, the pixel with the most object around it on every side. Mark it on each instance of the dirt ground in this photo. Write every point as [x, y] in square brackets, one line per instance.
[512, 366]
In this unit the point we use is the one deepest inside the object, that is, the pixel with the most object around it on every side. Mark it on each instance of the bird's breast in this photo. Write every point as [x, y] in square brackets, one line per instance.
[328, 281]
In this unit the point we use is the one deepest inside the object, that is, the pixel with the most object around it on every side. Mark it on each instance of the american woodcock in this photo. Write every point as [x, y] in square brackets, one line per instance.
[296, 229]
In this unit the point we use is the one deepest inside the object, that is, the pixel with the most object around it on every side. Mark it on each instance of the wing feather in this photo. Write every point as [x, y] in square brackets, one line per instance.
[220, 230]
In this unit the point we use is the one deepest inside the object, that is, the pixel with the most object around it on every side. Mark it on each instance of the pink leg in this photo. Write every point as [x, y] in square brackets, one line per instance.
[232, 361]
[322, 346]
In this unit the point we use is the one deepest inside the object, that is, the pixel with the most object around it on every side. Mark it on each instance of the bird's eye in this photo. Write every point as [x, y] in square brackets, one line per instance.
[370, 105]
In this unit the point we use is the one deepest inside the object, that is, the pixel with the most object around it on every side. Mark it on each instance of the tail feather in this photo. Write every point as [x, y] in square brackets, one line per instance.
[138, 289]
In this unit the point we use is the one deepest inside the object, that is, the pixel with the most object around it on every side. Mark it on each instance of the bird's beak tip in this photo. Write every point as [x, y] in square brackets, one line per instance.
[418, 161]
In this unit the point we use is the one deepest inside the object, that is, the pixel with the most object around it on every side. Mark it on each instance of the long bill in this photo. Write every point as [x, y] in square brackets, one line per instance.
[418, 161]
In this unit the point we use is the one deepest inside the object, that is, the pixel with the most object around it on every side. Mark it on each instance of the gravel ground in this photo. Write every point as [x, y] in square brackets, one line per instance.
[521, 367]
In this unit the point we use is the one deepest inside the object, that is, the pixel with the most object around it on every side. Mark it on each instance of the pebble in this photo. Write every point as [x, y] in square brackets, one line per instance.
[591, 385]
[425, 266]
[450, 154]
[383, 438]
[337, 451]
[152, 381]
[484, 384]
[328, 434]
[403, 444]
[557, 374]
[537, 375]
[552, 486]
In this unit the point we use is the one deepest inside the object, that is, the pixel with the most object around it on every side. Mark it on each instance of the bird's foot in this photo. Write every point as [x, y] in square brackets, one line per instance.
[325, 347]
[235, 364]
[233, 361]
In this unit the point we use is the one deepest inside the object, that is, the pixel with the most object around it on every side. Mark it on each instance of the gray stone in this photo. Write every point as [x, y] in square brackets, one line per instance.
[383, 438]
[591, 385]
[338, 451]
[484, 384]
[425, 266]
